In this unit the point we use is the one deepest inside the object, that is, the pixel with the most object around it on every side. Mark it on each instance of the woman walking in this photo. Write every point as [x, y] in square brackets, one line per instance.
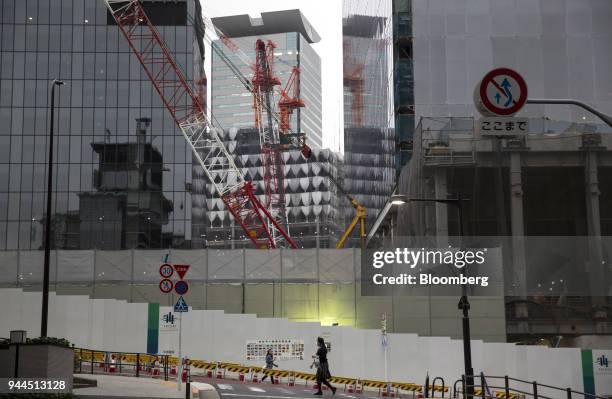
[269, 364]
[320, 360]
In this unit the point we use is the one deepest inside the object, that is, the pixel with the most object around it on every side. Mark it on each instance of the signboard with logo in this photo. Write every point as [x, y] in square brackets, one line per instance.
[602, 372]
[168, 322]
[282, 349]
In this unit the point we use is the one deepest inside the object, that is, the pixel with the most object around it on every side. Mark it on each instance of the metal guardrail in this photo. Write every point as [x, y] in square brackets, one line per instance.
[509, 390]
[89, 361]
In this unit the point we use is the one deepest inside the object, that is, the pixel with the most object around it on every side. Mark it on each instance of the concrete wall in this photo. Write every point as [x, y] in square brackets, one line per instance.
[214, 335]
[38, 361]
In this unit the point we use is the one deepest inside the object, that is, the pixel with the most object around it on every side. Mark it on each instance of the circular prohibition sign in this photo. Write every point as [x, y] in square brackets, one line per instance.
[503, 91]
[181, 287]
[166, 270]
[166, 285]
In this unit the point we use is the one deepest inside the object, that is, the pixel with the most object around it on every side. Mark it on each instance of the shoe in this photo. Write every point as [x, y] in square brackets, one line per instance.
[320, 393]
[333, 391]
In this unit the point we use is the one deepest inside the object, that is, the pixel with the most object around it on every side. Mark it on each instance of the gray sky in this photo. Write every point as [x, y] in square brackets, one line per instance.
[326, 18]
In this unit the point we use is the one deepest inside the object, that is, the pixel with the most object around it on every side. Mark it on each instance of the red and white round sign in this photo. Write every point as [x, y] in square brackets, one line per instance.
[166, 285]
[166, 270]
[503, 92]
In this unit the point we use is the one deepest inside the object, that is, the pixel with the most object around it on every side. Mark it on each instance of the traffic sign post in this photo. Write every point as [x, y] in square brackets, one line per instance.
[180, 307]
[166, 270]
[501, 94]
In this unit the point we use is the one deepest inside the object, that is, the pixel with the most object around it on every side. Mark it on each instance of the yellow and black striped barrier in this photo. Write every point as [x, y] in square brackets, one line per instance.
[88, 355]
[275, 373]
[502, 395]
[497, 394]
[235, 368]
[438, 388]
[202, 365]
[408, 387]
[374, 384]
[342, 380]
[305, 376]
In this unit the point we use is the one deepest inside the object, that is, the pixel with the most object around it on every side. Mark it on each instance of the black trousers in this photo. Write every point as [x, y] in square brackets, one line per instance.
[323, 375]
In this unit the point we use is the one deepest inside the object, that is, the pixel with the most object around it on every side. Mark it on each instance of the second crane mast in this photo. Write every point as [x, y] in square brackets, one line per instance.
[274, 130]
[263, 83]
[189, 114]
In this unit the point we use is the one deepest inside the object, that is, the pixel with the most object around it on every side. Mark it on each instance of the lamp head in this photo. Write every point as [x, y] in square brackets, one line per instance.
[399, 199]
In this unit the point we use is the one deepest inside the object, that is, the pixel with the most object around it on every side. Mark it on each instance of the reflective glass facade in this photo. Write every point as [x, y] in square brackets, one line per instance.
[369, 142]
[232, 104]
[311, 200]
[122, 169]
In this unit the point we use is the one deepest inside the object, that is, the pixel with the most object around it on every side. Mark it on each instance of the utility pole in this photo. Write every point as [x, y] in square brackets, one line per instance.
[45, 293]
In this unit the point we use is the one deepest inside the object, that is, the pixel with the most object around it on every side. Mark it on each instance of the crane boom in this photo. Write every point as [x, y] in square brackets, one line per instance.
[190, 116]
[359, 218]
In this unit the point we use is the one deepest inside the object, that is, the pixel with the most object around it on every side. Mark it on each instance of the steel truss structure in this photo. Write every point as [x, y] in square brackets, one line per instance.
[189, 113]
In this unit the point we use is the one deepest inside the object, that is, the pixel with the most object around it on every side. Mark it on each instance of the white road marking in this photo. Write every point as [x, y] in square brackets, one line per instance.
[225, 386]
[284, 390]
[246, 395]
[255, 389]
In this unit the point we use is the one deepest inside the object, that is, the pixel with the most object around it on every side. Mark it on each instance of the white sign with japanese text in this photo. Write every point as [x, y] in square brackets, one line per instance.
[504, 126]
[282, 349]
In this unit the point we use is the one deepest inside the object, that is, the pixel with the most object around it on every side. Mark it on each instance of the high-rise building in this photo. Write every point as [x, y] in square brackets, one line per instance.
[369, 142]
[403, 81]
[293, 35]
[311, 198]
[560, 48]
[108, 183]
[549, 185]
[312, 214]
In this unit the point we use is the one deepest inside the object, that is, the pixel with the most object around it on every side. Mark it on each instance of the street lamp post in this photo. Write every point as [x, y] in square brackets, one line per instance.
[464, 304]
[45, 295]
[607, 119]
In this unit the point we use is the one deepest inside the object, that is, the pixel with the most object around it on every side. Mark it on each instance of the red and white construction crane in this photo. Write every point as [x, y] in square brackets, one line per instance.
[290, 100]
[189, 113]
[264, 82]
[274, 130]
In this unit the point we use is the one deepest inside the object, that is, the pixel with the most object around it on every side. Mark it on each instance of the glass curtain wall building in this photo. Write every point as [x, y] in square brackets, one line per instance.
[369, 142]
[121, 165]
[292, 34]
[310, 198]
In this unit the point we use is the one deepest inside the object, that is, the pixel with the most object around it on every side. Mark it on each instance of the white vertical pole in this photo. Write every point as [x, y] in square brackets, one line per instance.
[385, 344]
[386, 370]
[179, 370]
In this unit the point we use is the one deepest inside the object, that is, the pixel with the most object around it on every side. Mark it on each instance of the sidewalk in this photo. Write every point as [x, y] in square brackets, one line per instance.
[129, 387]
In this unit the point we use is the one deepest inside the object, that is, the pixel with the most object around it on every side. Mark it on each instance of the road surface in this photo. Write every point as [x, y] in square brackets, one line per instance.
[232, 389]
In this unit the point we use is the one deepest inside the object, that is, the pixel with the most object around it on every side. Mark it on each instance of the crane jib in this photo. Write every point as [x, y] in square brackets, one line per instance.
[206, 144]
